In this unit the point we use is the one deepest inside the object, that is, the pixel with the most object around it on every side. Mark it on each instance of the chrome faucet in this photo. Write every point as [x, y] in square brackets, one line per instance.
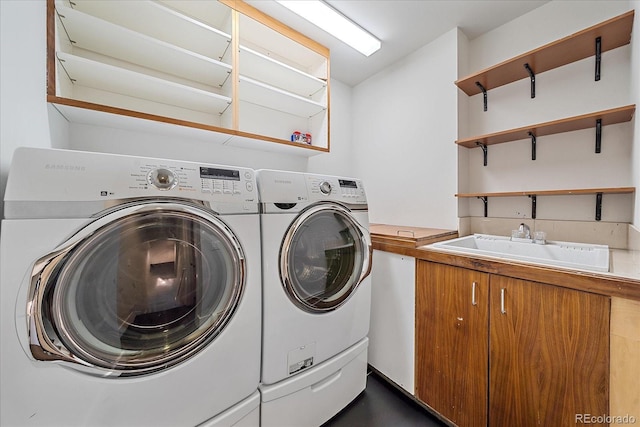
[524, 228]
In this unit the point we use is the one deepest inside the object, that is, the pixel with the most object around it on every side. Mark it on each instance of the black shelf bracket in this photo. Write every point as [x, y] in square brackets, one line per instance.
[484, 95]
[485, 200]
[532, 76]
[598, 206]
[598, 136]
[484, 150]
[534, 200]
[598, 57]
[533, 145]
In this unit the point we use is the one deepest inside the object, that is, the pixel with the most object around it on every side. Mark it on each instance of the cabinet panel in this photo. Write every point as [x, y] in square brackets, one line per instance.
[391, 334]
[452, 324]
[549, 357]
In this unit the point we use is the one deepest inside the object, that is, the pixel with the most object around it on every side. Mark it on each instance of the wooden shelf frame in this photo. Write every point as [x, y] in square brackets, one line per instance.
[123, 66]
[614, 33]
[598, 192]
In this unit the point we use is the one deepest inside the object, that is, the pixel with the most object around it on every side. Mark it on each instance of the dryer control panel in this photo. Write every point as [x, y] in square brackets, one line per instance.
[334, 188]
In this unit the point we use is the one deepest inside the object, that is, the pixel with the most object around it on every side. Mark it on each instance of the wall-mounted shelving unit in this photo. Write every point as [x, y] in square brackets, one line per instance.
[592, 41]
[598, 192]
[592, 120]
[220, 66]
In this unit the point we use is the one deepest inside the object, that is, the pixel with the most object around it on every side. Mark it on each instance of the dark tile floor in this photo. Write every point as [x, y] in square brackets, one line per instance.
[381, 405]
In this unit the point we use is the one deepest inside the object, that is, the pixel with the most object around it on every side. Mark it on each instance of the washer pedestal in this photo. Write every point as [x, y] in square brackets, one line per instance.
[314, 396]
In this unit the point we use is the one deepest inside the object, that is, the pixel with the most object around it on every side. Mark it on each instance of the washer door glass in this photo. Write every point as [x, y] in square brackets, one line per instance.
[324, 256]
[144, 291]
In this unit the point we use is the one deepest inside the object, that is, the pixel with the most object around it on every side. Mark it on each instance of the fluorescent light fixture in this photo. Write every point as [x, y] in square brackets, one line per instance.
[322, 15]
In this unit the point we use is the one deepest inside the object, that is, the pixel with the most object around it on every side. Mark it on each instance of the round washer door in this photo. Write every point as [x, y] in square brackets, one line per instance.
[325, 255]
[138, 290]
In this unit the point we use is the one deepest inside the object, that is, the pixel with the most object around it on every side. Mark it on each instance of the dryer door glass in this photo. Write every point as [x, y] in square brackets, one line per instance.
[324, 256]
[144, 291]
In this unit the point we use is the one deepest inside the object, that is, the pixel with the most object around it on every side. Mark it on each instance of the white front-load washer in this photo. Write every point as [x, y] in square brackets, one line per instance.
[316, 259]
[130, 292]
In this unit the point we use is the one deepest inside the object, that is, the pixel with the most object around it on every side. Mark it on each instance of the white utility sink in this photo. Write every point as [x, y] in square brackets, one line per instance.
[580, 256]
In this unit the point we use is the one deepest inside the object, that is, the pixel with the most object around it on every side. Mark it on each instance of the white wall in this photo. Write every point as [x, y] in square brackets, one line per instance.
[23, 110]
[564, 161]
[404, 128]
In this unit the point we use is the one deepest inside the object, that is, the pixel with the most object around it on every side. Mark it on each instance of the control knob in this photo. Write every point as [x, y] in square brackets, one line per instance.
[162, 179]
[325, 187]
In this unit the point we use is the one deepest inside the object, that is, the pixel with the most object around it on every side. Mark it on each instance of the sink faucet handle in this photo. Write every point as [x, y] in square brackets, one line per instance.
[525, 229]
[540, 237]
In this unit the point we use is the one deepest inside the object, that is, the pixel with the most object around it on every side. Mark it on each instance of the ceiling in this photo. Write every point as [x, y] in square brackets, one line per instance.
[403, 26]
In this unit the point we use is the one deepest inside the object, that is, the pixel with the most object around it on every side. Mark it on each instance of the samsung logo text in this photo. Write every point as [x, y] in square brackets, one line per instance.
[64, 168]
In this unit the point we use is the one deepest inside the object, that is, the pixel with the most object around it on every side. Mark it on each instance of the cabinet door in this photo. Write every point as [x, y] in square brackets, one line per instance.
[452, 342]
[392, 330]
[549, 354]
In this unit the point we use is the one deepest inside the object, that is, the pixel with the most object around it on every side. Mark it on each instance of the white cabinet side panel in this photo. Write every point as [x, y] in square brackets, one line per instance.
[392, 330]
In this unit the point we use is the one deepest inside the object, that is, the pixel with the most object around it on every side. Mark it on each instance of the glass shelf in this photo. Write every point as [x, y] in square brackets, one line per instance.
[108, 78]
[271, 97]
[265, 69]
[102, 37]
[160, 22]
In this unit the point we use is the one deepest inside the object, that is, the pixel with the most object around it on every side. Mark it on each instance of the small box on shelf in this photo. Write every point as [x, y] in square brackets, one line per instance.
[304, 138]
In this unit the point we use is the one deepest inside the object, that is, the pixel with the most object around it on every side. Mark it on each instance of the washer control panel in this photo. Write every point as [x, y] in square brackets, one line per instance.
[190, 180]
[336, 189]
[78, 176]
[226, 181]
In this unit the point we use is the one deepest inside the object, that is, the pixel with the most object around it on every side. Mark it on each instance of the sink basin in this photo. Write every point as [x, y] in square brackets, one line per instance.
[580, 256]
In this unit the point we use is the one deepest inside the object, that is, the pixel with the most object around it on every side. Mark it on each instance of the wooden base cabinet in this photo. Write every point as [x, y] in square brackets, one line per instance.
[499, 351]
[452, 321]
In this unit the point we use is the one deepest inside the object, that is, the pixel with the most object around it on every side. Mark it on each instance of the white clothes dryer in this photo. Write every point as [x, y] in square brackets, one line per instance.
[130, 292]
[316, 259]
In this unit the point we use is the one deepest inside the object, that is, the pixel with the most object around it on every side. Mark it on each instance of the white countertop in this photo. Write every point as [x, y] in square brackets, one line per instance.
[624, 263]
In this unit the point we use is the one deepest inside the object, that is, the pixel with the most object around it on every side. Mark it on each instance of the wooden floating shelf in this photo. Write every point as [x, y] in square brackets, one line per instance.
[581, 191]
[585, 121]
[614, 33]
[598, 192]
